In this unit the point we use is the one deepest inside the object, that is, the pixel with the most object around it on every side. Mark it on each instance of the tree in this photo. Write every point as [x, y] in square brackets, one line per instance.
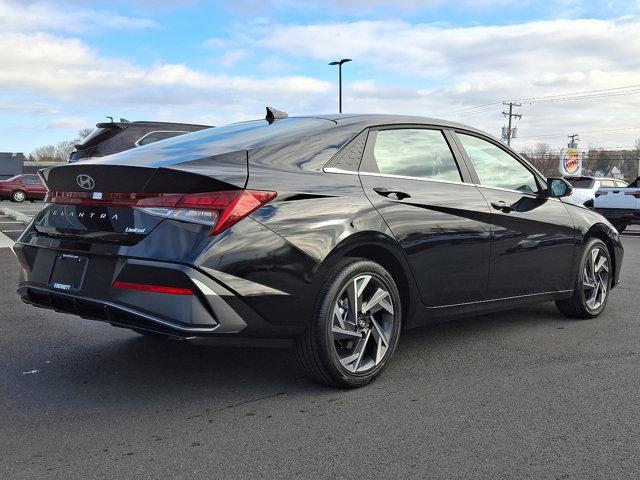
[59, 152]
[84, 133]
[543, 157]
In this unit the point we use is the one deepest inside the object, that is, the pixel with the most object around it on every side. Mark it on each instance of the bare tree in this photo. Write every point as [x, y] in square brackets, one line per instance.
[543, 157]
[84, 133]
[59, 152]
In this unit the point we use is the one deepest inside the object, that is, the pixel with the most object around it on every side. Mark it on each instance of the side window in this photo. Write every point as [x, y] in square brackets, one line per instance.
[415, 152]
[496, 168]
[608, 184]
[30, 181]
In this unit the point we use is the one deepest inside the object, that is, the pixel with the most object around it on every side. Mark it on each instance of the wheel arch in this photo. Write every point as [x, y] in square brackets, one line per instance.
[602, 232]
[384, 250]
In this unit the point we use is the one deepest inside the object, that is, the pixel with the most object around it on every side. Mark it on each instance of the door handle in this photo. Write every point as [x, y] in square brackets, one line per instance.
[400, 195]
[502, 206]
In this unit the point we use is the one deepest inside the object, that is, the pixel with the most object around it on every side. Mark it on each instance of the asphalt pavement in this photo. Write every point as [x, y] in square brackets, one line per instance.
[520, 394]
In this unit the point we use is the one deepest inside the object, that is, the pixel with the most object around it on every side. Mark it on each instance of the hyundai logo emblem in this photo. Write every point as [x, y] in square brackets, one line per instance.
[85, 181]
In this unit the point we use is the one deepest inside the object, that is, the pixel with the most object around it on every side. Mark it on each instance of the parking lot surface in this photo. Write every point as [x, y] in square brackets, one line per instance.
[521, 394]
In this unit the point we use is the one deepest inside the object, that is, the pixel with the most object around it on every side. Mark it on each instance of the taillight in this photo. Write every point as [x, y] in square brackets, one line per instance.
[144, 287]
[220, 210]
[635, 194]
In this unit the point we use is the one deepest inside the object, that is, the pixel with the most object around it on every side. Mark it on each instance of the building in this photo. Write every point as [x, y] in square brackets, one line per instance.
[11, 164]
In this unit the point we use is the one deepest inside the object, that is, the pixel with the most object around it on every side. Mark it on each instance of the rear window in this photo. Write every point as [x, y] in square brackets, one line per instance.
[152, 137]
[581, 182]
[257, 133]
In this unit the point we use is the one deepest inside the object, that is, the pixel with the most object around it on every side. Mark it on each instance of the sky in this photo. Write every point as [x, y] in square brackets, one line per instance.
[66, 65]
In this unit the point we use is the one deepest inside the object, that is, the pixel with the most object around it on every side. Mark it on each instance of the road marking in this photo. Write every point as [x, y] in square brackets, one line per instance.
[5, 242]
[12, 231]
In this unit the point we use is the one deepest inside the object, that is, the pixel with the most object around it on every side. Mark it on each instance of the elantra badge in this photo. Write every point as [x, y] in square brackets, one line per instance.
[85, 181]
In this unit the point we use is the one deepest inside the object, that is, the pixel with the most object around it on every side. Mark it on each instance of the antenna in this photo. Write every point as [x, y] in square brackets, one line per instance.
[274, 114]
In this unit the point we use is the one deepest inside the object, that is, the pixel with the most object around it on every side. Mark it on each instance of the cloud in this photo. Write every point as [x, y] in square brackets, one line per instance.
[398, 67]
[66, 123]
[361, 7]
[467, 66]
[68, 71]
[64, 17]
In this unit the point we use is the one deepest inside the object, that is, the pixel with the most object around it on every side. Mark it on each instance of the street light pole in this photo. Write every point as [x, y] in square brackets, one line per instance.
[339, 63]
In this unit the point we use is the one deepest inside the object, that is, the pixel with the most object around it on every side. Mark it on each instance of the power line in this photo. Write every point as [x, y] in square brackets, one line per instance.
[573, 140]
[584, 131]
[510, 131]
[603, 90]
[464, 110]
[560, 97]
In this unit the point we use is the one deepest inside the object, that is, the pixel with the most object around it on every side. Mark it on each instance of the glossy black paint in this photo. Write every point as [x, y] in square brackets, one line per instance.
[450, 251]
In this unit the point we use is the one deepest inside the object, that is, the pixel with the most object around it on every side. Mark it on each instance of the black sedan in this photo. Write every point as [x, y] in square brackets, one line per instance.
[331, 233]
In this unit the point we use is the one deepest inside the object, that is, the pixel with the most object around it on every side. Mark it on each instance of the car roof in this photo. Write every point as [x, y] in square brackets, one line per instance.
[390, 119]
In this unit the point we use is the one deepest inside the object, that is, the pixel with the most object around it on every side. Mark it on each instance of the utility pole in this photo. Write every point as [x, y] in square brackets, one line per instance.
[508, 135]
[573, 140]
[339, 63]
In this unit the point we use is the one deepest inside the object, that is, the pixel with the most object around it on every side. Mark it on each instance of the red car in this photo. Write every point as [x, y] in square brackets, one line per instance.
[22, 187]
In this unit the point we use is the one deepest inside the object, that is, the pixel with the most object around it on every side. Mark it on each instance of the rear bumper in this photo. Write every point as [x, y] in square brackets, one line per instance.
[629, 216]
[213, 310]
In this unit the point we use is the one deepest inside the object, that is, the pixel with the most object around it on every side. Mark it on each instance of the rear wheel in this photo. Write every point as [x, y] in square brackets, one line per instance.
[593, 284]
[355, 325]
[18, 196]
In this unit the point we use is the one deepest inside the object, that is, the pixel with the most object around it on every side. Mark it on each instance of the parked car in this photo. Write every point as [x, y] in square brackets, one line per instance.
[585, 188]
[621, 206]
[113, 137]
[331, 233]
[22, 187]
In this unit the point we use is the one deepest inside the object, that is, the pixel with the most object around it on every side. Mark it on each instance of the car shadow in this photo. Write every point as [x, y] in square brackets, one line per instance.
[126, 370]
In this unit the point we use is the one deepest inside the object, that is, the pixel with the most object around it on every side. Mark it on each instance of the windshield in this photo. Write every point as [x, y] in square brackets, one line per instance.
[581, 182]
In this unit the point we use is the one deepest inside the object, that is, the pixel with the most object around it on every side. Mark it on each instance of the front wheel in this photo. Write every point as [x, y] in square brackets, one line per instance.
[355, 325]
[593, 283]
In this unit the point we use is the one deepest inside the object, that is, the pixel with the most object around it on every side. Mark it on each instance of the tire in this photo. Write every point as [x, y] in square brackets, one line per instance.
[18, 196]
[593, 283]
[340, 348]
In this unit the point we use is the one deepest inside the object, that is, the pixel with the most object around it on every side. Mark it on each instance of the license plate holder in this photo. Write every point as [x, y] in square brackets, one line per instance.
[68, 272]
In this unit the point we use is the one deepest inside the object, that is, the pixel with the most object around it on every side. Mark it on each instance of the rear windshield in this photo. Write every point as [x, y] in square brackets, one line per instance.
[581, 182]
[256, 133]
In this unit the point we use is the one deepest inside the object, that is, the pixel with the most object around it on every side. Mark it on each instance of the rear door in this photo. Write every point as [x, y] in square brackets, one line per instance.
[34, 187]
[439, 218]
[533, 238]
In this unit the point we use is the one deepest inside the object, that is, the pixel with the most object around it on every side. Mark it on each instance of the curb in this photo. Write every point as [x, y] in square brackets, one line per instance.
[17, 216]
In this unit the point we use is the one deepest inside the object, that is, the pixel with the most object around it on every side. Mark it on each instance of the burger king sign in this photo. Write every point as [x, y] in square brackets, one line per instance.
[570, 162]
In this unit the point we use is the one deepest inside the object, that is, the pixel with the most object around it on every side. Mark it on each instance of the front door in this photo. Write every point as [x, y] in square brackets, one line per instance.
[440, 220]
[533, 238]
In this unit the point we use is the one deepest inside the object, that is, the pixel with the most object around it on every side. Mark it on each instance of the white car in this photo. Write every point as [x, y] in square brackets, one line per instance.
[585, 188]
[621, 206]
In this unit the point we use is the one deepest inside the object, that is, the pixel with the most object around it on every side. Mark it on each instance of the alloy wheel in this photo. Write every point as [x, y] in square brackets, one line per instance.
[596, 278]
[362, 323]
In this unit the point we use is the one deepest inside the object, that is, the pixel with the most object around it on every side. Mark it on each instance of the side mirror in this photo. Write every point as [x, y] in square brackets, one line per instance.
[558, 187]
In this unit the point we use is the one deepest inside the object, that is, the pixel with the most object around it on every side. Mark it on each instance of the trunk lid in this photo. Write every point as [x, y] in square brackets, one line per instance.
[95, 200]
